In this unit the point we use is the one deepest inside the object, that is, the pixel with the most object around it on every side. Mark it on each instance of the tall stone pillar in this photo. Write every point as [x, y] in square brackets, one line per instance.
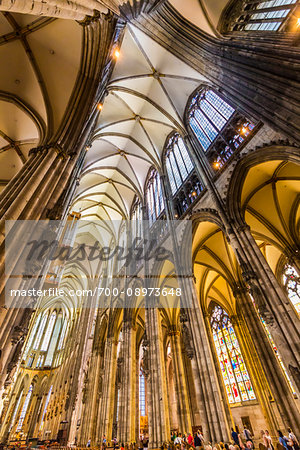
[158, 413]
[212, 409]
[106, 406]
[183, 409]
[127, 400]
[267, 366]
[273, 304]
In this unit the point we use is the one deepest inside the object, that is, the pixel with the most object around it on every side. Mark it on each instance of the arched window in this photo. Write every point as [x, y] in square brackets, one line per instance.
[48, 332]
[15, 411]
[264, 15]
[136, 218]
[219, 128]
[291, 281]
[31, 336]
[235, 375]
[46, 406]
[184, 182]
[25, 407]
[40, 332]
[178, 162]
[142, 394]
[154, 196]
[61, 343]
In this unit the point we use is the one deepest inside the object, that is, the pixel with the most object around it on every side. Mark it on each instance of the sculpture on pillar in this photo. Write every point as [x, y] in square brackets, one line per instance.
[146, 357]
[186, 335]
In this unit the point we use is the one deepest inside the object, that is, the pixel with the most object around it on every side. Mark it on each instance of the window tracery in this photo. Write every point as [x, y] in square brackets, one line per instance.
[219, 128]
[154, 197]
[24, 408]
[234, 371]
[264, 15]
[291, 281]
[184, 182]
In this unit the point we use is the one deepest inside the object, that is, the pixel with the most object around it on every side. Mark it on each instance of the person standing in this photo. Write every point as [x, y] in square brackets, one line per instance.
[197, 441]
[248, 435]
[269, 441]
[293, 438]
[235, 437]
[282, 439]
[88, 443]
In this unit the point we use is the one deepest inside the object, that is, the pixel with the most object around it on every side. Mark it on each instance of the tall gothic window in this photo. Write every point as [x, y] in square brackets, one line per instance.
[136, 218]
[46, 406]
[178, 162]
[234, 371]
[48, 332]
[40, 332]
[46, 341]
[15, 411]
[264, 15]
[219, 128]
[25, 407]
[154, 196]
[142, 393]
[291, 282]
[184, 182]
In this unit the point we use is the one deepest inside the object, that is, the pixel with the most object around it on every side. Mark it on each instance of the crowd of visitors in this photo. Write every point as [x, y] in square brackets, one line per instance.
[187, 441]
[240, 441]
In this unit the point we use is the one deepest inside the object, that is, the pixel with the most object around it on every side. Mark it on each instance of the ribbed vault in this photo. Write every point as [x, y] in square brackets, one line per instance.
[145, 101]
[215, 266]
[41, 58]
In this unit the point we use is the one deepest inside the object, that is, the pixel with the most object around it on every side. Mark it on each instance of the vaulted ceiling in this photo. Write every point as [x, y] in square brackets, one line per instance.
[146, 101]
[40, 59]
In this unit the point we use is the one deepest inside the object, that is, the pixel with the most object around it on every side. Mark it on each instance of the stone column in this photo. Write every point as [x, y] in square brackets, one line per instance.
[273, 304]
[106, 406]
[158, 414]
[183, 409]
[127, 401]
[267, 366]
[212, 410]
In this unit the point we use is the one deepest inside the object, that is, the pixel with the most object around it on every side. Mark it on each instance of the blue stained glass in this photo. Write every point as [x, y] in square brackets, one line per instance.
[188, 162]
[171, 177]
[220, 104]
[175, 170]
[218, 120]
[208, 128]
[235, 375]
[180, 162]
[202, 138]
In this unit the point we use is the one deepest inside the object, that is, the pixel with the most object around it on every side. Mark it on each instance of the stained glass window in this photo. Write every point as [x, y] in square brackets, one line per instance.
[178, 162]
[219, 128]
[61, 343]
[48, 332]
[137, 217]
[208, 114]
[46, 406]
[15, 411]
[25, 407]
[32, 335]
[40, 332]
[53, 342]
[155, 201]
[291, 281]
[268, 15]
[142, 392]
[234, 371]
